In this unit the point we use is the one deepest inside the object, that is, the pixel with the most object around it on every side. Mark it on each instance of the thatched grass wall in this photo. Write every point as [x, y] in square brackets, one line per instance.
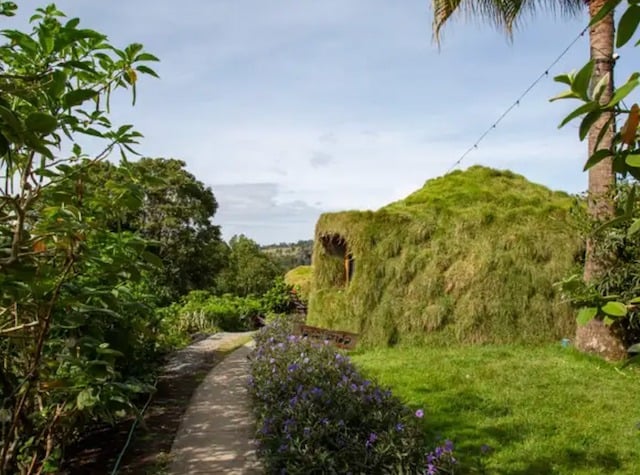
[300, 278]
[471, 257]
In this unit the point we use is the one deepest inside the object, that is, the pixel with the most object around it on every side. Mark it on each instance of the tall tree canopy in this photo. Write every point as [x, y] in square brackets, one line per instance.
[176, 215]
[250, 271]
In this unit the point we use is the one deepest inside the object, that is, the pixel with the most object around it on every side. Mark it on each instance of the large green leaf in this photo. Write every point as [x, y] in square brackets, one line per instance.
[568, 94]
[4, 146]
[10, 119]
[585, 315]
[85, 399]
[633, 160]
[615, 309]
[597, 157]
[607, 8]
[582, 80]
[152, 259]
[588, 121]
[601, 86]
[628, 25]
[78, 96]
[41, 122]
[583, 109]
[624, 90]
[146, 57]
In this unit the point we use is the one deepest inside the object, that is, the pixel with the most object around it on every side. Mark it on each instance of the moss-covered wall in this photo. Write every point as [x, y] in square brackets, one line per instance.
[471, 257]
[300, 278]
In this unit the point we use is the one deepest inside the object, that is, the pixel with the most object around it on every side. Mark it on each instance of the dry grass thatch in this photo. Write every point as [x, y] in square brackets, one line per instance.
[300, 278]
[472, 257]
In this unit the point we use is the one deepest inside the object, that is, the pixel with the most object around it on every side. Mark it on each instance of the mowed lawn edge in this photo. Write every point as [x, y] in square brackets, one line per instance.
[542, 409]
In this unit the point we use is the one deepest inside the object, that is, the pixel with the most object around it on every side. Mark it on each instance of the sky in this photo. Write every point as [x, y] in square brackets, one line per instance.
[292, 108]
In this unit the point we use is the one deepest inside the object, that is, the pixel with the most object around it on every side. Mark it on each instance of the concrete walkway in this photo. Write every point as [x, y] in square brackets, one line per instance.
[216, 431]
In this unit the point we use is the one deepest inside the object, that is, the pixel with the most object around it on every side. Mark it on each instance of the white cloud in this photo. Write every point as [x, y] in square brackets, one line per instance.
[294, 106]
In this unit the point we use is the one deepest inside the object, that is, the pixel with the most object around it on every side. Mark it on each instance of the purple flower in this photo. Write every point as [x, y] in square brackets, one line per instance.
[419, 413]
[372, 438]
[399, 426]
[431, 469]
[292, 367]
[448, 446]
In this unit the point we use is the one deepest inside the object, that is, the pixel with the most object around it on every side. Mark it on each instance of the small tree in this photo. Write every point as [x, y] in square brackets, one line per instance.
[61, 271]
[249, 271]
[604, 312]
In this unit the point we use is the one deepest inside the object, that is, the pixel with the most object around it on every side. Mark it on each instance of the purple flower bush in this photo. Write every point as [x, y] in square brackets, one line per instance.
[316, 414]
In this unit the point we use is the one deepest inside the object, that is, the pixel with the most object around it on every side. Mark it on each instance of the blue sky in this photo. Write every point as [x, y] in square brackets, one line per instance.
[290, 108]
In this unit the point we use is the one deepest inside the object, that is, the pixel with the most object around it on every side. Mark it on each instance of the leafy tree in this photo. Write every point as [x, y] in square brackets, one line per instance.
[63, 276]
[505, 15]
[175, 213]
[249, 271]
[290, 255]
[601, 310]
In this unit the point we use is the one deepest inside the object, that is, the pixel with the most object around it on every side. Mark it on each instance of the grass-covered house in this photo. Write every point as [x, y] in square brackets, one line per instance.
[471, 257]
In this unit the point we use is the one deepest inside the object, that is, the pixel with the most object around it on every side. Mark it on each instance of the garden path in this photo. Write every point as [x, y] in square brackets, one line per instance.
[216, 430]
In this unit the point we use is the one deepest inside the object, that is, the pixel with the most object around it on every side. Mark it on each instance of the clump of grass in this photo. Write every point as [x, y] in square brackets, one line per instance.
[542, 409]
[471, 257]
[300, 279]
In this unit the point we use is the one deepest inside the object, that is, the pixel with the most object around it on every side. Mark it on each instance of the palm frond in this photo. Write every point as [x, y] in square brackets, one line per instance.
[504, 15]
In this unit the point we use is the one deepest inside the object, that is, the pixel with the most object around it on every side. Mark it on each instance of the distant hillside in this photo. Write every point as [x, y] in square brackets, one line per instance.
[290, 255]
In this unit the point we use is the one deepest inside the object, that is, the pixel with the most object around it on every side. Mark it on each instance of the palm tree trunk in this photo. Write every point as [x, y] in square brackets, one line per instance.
[601, 176]
[596, 337]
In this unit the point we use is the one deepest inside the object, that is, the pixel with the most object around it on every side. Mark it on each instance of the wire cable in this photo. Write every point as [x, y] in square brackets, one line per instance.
[516, 103]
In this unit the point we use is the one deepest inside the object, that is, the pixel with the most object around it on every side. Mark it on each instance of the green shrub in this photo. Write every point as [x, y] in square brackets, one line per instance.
[201, 312]
[278, 298]
[618, 248]
[317, 414]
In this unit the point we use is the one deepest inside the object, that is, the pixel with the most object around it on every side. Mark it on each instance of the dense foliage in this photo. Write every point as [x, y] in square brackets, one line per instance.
[248, 271]
[176, 214]
[317, 414]
[73, 334]
[202, 312]
[620, 278]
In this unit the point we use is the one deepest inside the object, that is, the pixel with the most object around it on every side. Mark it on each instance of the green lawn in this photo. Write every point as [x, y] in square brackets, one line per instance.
[543, 410]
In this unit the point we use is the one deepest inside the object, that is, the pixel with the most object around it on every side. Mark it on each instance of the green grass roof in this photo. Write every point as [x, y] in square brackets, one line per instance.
[471, 257]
